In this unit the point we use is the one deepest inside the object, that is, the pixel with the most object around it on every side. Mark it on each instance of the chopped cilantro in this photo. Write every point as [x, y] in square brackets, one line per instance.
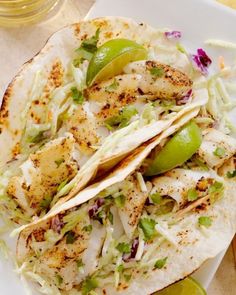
[70, 237]
[219, 152]
[77, 95]
[59, 162]
[160, 263]
[148, 227]
[215, 187]
[120, 201]
[205, 221]
[127, 277]
[62, 184]
[101, 214]
[112, 87]
[78, 61]
[64, 116]
[123, 248]
[157, 72]
[88, 47]
[79, 263]
[108, 199]
[167, 103]
[156, 198]
[88, 228]
[127, 113]
[36, 138]
[231, 174]
[192, 194]
[91, 43]
[110, 217]
[88, 285]
[45, 203]
[59, 279]
[120, 268]
[122, 119]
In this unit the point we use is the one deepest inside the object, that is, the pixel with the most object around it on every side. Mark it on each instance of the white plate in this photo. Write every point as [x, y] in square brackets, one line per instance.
[198, 20]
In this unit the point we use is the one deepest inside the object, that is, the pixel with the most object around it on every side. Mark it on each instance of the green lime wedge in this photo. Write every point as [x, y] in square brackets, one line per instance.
[187, 286]
[111, 57]
[177, 150]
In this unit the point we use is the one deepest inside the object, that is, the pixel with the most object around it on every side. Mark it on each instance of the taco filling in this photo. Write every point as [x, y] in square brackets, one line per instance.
[132, 230]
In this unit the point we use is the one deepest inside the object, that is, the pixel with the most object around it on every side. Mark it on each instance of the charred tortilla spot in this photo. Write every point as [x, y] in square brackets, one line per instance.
[77, 29]
[101, 23]
[16, 150]
[38, 234]
[140, 91]
[5, 114]
[126, 25]
[108, 35]
[35, 161]
[203, 184]
[4, 107]
[56, 74]
[46, 91]
[36, 102]
[122, 96]
[202, 207]
[84, 37]
[106, 106]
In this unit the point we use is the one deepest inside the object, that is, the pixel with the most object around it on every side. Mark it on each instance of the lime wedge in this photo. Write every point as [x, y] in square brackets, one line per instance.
[187, 286]
[111, 57]
[177, 150]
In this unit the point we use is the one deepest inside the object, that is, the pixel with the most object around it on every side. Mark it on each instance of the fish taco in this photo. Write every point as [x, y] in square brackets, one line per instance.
[94, 93]
[161, 213]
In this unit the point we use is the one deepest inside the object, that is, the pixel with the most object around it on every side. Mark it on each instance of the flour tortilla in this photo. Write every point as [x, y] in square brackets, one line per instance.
[121, 171]
[196, 246]
[52, 61]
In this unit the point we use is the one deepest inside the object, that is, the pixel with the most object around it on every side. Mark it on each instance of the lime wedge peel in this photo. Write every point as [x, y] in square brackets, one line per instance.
[188, 286]
[177, 150]
[110, 58]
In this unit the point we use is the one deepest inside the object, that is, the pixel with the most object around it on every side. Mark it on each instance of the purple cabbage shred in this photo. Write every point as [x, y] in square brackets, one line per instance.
[94, 209]
[184, 99]
[173, 34]
[134, 248]
[56, 224]
[202, 61]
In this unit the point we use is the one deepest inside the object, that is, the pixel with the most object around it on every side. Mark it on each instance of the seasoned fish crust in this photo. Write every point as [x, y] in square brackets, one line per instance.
[42, 174]
[140, 80]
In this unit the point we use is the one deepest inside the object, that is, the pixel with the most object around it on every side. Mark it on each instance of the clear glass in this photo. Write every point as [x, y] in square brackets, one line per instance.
[21, 12]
